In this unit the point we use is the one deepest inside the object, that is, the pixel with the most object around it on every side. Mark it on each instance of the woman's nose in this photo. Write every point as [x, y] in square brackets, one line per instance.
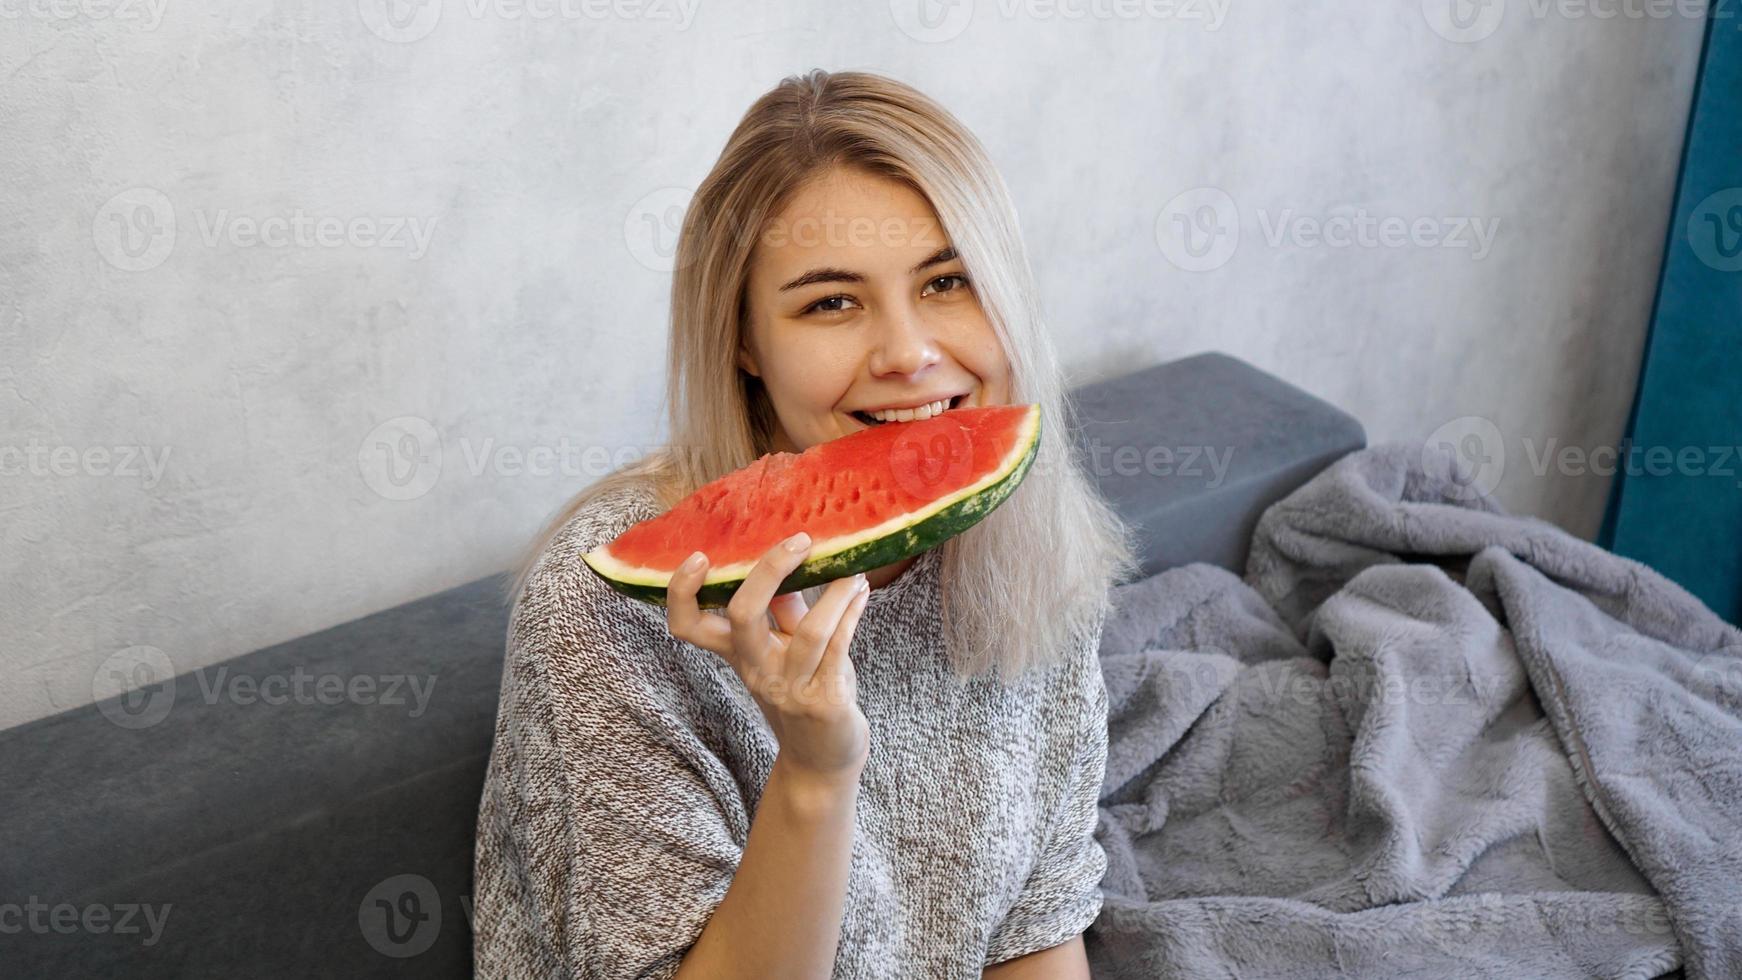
[904, 345]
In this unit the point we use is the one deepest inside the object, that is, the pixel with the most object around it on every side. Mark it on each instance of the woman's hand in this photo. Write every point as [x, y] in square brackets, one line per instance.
[799, 673]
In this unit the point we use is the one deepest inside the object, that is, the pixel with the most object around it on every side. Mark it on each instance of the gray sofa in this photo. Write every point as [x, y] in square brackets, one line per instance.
[330, 834]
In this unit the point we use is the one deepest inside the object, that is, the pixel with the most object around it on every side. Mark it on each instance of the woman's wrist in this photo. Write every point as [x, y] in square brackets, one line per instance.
[814, 793]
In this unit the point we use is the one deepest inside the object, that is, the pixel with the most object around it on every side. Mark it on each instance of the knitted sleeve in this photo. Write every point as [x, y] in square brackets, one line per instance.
[608, 832]
[1063, 891]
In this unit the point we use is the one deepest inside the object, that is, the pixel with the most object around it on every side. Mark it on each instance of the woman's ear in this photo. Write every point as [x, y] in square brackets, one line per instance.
[747, 362]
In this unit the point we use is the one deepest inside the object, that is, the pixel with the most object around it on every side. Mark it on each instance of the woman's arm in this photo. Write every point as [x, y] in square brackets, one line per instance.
[781, 917]
[1066, 961]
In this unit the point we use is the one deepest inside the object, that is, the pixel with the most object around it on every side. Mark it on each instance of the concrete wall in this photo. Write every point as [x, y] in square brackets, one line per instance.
[288, 291]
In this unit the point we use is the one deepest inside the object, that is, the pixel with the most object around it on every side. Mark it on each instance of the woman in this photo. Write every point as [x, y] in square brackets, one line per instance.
[679, 793]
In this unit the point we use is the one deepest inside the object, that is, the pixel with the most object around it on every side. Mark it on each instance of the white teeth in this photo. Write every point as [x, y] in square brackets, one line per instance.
[911, 414]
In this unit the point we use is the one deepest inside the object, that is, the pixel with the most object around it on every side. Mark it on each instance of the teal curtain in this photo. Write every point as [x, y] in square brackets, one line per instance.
[1676, 501]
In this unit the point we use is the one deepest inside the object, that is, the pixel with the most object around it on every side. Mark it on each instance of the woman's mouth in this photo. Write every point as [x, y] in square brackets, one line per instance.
[869, 420]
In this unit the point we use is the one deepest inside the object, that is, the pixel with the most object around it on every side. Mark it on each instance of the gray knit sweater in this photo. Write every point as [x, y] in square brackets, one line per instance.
[627, 767]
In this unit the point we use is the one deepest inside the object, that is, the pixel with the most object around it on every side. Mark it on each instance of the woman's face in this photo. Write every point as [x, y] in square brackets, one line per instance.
[856, 302]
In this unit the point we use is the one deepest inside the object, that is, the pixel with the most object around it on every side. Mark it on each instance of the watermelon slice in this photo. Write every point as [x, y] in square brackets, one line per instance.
[867, 499]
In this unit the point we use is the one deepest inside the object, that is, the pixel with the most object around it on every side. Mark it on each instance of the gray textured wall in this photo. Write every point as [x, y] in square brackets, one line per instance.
[304, 305]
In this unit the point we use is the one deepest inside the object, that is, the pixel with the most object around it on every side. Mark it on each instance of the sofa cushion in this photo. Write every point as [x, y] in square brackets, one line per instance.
[1192, 451]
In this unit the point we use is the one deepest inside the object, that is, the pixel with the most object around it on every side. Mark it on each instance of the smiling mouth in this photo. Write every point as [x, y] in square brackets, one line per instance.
[867, 420]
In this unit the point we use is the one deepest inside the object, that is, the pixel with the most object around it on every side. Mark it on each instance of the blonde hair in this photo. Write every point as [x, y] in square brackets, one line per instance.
[1029, 581]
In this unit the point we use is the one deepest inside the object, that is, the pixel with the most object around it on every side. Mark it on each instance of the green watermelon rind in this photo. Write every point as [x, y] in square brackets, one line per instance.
[886, 548]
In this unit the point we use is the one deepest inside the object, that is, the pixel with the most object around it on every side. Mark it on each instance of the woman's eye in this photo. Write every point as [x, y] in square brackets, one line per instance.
[829, 304]
[959, 281]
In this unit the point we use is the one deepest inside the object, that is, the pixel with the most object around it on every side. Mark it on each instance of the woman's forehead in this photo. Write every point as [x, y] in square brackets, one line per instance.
[850, 220]
[854, 193]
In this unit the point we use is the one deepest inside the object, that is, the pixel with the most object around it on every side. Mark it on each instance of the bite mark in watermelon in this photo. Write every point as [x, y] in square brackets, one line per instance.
[867, 499]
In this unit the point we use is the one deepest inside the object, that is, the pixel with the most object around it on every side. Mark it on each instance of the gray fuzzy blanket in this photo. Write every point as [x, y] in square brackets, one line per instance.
[1422, 738]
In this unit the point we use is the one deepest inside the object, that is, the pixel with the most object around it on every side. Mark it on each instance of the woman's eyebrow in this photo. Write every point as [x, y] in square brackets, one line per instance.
[938, 257]
[823, 275]
[814, 276]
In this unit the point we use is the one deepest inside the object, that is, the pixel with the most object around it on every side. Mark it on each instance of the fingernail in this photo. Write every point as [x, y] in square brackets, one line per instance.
[798, 542]
[694, 562]
[860, 583]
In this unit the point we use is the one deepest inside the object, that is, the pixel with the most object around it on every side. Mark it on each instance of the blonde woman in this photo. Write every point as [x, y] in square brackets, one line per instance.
[893, 775]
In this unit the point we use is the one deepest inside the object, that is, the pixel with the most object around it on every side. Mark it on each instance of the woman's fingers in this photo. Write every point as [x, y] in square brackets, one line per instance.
[835, 664]
[684, 617]
[747, 610]
[811, 638]
[789, 609]
[816, 632]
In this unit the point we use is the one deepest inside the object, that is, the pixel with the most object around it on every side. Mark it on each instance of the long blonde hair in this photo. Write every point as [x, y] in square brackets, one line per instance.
[1030, 580]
